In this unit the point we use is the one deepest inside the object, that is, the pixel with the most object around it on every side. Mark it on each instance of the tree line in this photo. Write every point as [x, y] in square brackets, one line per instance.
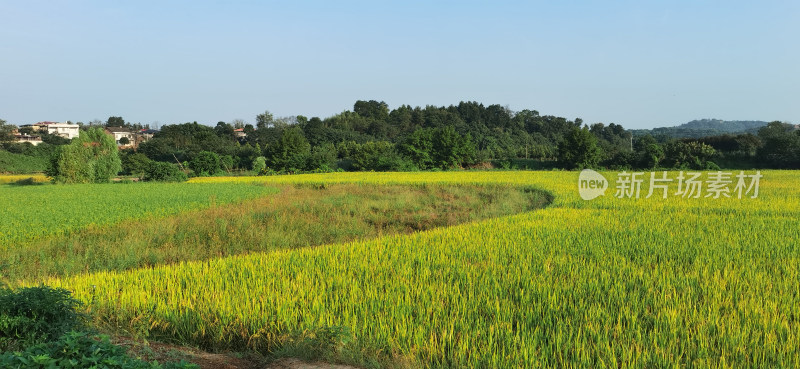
[372, 137]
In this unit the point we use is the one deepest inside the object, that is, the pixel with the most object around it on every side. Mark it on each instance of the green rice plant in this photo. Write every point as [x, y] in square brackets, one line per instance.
[32, 213]
[612, 282]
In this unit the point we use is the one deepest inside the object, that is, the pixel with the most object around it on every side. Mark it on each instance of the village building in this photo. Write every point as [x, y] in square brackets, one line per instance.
[122, 136]
[66, 130]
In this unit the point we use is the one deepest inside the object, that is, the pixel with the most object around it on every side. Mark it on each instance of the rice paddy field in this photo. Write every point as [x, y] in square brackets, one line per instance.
[612, 282]
[33, 212]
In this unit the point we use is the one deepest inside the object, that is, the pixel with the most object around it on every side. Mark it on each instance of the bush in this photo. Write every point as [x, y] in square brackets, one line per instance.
[322, 157]
[135, 164]
[291, 152]
[36, 314]
[92, 157]
[579, 149]
[226, 162]
[688, 155]
[21, 163]
[259, 164]
[79, 350]
[206, 163]
[164, 172]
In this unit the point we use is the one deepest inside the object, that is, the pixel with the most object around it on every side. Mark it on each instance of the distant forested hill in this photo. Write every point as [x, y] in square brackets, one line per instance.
[704, 128]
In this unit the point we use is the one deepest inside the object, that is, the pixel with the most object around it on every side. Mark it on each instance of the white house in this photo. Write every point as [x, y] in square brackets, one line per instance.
[66, 130]
[120, 133]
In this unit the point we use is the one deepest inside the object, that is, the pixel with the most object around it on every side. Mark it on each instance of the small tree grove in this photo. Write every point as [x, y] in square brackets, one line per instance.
[92, 157]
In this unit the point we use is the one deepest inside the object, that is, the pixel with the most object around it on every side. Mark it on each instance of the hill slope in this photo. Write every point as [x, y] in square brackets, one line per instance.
[703, 128]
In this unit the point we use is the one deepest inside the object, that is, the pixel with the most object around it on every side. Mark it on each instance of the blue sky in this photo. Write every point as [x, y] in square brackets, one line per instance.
[637, 63]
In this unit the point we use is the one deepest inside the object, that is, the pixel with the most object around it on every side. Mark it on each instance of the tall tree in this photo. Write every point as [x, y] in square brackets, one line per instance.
[6, 131]
[450, 149]
[91, 157]
[264, 120]
[372, 109]
[115, 122]
[579, 149]
[781, 145]
[291, 151]
[225, 131]
[649, 151]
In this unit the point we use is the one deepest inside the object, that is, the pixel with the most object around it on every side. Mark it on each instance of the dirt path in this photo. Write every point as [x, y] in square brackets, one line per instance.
[163, 352]
[297, 364]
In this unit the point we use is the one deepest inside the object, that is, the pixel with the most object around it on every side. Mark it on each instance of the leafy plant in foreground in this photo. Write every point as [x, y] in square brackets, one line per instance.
[36, 314]
[80, 350]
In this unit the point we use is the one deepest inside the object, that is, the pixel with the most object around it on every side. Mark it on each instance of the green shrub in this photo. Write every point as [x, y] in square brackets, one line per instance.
[290, 153]
[36, 314]
[79, 350]
[163, 172]
[91, 157]
[135, 164]
[226, 163]
[20, 163]
[206, 163]
[259, 164]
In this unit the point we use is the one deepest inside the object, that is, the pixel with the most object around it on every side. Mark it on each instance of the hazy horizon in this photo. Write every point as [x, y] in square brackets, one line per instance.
[638, 65]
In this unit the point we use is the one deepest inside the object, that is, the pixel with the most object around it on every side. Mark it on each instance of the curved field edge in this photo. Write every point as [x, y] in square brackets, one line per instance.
[298, 216]
[612, 282]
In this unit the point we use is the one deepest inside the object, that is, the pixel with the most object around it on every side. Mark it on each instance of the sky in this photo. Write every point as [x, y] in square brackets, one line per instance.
[641, 64]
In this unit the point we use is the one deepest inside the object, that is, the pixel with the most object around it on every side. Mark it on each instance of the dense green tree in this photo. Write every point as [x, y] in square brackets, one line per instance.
[135, 163]
[245, 154]
[650, 152]
[402, 119]
[418, 147]
[688, 155]
[579, 150]
[742, 144]
[226, 163]
[450, 149]
[225, 131]
[781, 147]
[373, 155]
[322, 157]
[290, 152]
[315, 131]
[164, 172]
[378, 111]
[205, 163]
[6, 131]
[264, 120]
[497, 117]
[185, 141]
[448, 137]
[91, 157]
[115, 122]
[259, 164]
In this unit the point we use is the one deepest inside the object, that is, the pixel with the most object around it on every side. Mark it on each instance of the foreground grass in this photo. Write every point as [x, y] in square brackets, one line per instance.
[609, 283]
[296, 217]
